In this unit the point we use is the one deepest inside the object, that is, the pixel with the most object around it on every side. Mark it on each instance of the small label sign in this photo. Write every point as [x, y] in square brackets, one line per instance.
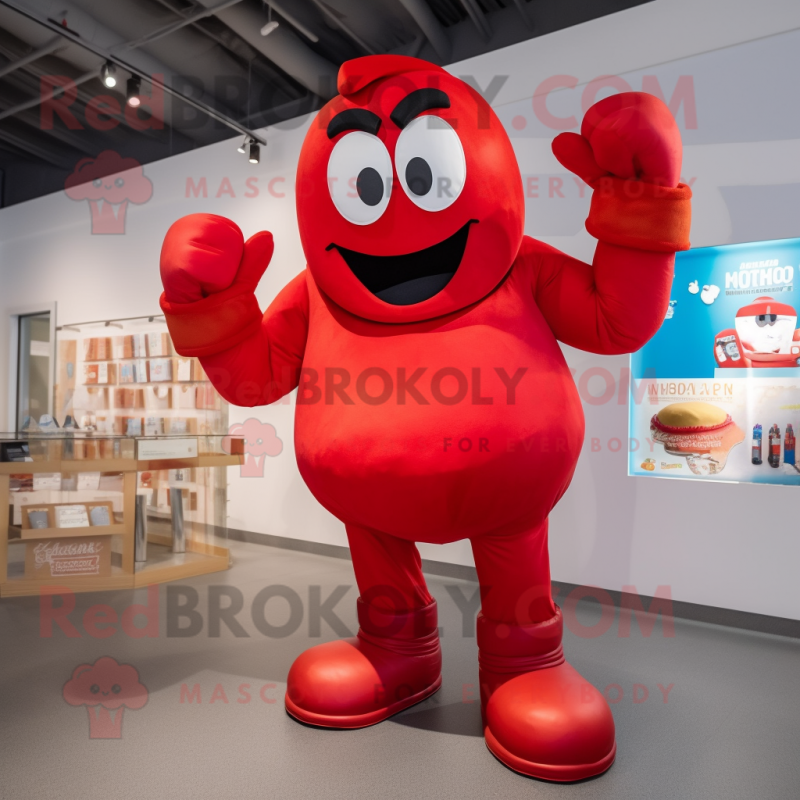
[153, 449]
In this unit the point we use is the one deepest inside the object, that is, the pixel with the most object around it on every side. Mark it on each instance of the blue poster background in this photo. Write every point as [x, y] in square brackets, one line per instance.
[678, 364]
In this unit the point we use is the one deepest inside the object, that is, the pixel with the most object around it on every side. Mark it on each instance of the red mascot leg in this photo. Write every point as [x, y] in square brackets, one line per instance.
[541, 718]
[395, 660]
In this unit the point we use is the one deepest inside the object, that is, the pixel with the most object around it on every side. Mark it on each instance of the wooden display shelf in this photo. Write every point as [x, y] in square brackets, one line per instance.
[208, 460]
[20, 586]
[118, 464]
[68, 466]
[192, 546]
[203, 555]
[160, 568]
[166, 566]
[26, 534]
[134, 384]
[97, 465]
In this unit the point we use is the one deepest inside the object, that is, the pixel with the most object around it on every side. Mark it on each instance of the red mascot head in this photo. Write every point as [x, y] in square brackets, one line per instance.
[409, 197]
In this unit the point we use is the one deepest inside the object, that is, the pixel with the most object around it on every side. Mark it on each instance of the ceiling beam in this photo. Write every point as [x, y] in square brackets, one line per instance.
[27, 83]
[339, 23]
[25, 143]
[283, 48]
[43, 98]
[28, 79]
[248, 55]
[27, 9]
[189, 19]
[82, 144]
[434, 32]
[525, 13]
[478, 18]
[44, 50]
[293, 21]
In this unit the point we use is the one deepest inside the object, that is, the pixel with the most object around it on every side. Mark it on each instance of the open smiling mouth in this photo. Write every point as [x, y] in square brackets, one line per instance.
[410, 278]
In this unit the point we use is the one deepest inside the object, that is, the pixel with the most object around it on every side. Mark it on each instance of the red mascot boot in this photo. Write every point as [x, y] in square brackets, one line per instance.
[394, 662]
[541, 717]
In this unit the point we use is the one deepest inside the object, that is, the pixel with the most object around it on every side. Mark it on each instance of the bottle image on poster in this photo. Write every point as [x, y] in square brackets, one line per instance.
[757, 436]
[788, 447]
[775, 446]
[724, 362]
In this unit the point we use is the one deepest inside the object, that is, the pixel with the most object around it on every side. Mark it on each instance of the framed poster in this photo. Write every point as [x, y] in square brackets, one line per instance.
[715, 394]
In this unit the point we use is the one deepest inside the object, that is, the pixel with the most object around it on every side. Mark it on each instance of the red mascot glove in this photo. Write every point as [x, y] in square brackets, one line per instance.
[629, 152]
[210, 275]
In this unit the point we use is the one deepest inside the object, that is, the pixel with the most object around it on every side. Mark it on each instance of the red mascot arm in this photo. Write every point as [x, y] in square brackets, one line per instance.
[629, 151]
[210, 275]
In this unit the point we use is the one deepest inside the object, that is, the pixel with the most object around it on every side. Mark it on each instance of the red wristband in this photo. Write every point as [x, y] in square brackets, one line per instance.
[642, 215]
[213, 324]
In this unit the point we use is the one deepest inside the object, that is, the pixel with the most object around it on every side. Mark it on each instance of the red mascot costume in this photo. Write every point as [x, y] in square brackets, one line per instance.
[434, 403]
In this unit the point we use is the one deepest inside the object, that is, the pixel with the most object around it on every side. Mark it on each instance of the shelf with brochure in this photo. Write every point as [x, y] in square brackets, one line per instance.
[91, 524]
[123, 378]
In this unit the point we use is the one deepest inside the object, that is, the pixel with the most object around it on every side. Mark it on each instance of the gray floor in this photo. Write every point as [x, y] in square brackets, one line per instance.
[729, 729]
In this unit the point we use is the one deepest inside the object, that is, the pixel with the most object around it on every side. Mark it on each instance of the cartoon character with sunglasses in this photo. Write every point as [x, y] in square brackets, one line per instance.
[766, 335]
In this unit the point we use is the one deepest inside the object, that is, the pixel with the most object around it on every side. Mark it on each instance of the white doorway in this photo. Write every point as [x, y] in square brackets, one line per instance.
[31, 365]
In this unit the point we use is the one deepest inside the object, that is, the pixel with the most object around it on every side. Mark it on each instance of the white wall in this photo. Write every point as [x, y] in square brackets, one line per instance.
[733, 546]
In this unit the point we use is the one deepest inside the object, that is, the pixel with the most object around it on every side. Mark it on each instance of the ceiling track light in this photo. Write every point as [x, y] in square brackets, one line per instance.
[254, 153]
[271, 23]
[242, 148]
[109, 75]
[134, 90]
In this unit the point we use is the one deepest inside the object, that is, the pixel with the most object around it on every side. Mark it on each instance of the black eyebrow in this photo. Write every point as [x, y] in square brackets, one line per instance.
[354, 119]
[418, 101]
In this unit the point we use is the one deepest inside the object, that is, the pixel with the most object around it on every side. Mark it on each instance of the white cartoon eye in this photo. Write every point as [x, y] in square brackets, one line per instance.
[360, 177]
[430, 163]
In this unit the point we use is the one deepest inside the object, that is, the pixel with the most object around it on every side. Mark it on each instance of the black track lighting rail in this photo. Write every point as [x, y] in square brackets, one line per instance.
[121, 63]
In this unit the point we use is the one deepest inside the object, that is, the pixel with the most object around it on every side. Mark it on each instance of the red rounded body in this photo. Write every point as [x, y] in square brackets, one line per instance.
[438, 466]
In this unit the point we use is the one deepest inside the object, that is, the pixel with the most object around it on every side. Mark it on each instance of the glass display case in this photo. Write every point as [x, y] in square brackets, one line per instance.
[123, 377]
[91, 511]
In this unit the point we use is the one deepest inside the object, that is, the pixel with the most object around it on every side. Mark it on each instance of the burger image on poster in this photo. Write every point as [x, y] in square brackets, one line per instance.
[702, 433]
